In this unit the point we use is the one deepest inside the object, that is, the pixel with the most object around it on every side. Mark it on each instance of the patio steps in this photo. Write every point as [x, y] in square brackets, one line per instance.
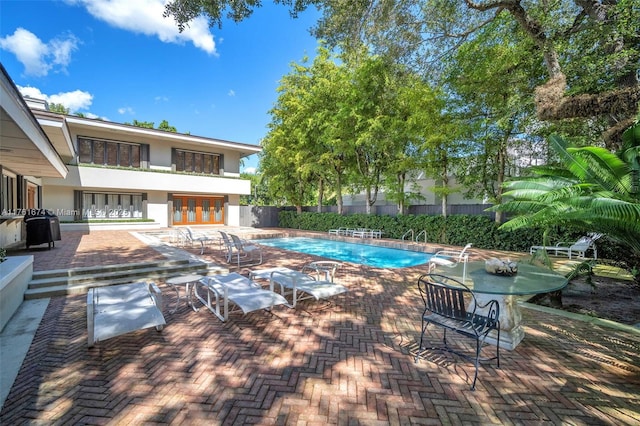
[62, 282]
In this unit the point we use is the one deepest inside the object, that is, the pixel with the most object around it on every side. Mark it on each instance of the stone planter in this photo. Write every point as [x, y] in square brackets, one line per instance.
[15, 274]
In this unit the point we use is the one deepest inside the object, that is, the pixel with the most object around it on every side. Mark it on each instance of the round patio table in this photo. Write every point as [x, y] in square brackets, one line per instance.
[529, 280]
[189, 281]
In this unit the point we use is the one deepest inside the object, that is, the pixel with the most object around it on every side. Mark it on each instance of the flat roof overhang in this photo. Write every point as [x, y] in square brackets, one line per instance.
[25, 149]
[78, 124]
[55, 127]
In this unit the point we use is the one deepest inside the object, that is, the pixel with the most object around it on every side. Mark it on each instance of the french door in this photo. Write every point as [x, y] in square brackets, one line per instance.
[198, 210]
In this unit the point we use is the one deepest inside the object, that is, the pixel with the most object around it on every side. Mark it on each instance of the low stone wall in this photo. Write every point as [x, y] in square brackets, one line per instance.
[15, 274]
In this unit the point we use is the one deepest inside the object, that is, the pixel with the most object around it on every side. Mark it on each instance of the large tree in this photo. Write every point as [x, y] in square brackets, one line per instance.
[491, 79]
[307, 117]
[285, 161]
[590, 48]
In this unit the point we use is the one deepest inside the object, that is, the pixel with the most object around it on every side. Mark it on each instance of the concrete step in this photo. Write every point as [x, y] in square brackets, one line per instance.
[132, 273]
[104, 269]
[74, 283]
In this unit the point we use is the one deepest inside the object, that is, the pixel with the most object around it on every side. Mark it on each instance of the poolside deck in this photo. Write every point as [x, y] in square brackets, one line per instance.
[346, 362]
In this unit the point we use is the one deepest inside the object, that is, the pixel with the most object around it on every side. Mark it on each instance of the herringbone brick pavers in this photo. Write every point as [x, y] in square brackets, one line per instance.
[79, 249]
[347, 361]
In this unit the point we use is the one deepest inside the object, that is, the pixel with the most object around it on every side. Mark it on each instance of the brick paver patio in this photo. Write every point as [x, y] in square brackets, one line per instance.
[346, 362]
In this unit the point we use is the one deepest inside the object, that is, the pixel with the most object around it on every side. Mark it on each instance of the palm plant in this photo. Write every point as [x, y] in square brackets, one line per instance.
[593, 189]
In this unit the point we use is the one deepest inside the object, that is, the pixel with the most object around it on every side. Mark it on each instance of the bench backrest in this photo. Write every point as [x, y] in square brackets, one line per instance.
[443, 296]
[450, 298]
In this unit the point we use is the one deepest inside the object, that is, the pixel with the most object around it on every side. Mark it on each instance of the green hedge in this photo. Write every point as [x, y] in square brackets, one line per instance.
[457, 230]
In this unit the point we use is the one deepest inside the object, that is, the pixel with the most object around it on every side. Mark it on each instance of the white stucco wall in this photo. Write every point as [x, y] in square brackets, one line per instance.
[232, 211]
[11, 231]
[109, 179]
[59, 200]
[157, 207]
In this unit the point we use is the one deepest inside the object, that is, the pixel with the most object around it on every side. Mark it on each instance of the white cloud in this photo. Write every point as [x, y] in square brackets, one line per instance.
[250, 170]
[74, 101]
[161, 99]
[126, 110]
[145, 16]
[231, 93]
[38, 57]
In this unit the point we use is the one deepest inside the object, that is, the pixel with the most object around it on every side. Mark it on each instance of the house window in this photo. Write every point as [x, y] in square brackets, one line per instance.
[110, 153]
[7, 198]
[96, 205]
[196, 162]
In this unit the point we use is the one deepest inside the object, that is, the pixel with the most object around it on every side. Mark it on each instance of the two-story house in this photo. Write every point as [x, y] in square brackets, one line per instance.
[98, 171]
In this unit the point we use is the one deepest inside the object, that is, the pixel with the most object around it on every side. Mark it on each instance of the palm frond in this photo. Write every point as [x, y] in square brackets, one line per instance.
[606, 168]
[574, 164]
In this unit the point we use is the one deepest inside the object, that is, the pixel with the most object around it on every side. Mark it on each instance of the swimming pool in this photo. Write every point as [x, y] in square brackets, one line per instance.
[364, 254]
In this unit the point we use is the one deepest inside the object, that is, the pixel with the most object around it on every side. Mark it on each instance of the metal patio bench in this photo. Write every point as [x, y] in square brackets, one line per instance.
[451, 305]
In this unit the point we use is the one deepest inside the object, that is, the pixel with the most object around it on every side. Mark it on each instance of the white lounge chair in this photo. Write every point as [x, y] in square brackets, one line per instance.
[193, 238]
[577, 249]
[302, 285]
[338, 231]
[227, 245]
[120, 309]
[449, 259]
[238, 291]
[246, 254]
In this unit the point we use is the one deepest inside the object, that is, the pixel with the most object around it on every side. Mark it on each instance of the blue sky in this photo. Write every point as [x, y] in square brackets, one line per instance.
[120, 60]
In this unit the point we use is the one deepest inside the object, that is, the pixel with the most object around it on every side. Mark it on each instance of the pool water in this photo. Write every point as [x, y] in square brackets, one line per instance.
[364, 254]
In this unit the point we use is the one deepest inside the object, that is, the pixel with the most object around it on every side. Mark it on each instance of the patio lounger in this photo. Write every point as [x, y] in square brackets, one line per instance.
[301, 285]
[238, 291]
[449, 259]
[193, 238]
[339, 231]
[245, 253]
[120, 309]
[361, 233]
[578, 248]
[227, 244]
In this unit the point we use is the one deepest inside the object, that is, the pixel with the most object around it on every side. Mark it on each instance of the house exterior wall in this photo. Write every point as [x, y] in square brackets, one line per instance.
[426, 190]
[233, 207]
[156, 180]
[59, 200]
[157, 207]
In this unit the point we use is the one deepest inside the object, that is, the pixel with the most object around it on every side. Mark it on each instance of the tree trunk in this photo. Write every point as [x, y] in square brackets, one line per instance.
[320, 194]
[339, 193]
[502, 167]
[445, 185]
[401, 177]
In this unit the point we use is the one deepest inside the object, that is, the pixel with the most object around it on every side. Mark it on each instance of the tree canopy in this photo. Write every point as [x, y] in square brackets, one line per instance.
[590, 48]
[164, 125]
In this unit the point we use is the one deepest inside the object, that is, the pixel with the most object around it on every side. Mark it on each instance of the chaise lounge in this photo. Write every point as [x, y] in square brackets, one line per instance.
[231, 292]
[305, 284]
[120, 309]
[577, 249]
[449, 259]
